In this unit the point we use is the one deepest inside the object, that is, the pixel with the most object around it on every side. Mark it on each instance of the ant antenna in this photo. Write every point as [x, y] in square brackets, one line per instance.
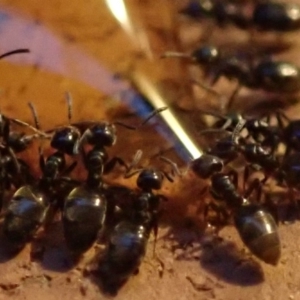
[17, 51]
[69, 100]
[237, 130]
[149, 117]
[206, 88]
[175, 168]
[34, 113]
[169, 54]
[137, 157]
[36, 123]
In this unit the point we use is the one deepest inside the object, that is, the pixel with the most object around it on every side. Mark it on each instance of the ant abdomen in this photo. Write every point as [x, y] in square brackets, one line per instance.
[124, 254]
[26, 212]
[83, 217]
[258, 230]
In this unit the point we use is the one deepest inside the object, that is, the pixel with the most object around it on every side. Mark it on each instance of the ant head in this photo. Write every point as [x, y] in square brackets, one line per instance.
[206, 55]
[102, 134]
[150, 179]
[206, 165]
[18, 141]
[64, 139]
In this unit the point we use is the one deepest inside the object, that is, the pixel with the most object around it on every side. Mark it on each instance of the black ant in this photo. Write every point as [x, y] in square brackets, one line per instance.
[265, 16]
[256, 226]
[71, 138]
[128, 239]
[13, 143]
[266, 74]
[85, 207]
[276, 16]
[31, 204]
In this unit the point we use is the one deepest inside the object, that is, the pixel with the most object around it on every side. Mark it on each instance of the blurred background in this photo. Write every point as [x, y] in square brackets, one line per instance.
[107, 54]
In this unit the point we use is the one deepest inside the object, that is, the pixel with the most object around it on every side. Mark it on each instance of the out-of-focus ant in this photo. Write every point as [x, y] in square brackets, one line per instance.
[265, 15]
[266, 74]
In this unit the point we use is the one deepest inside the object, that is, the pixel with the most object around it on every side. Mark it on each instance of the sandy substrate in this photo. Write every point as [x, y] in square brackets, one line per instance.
[79, 47]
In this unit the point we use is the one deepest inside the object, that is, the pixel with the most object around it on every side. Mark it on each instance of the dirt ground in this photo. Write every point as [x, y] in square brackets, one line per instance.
[80, 47]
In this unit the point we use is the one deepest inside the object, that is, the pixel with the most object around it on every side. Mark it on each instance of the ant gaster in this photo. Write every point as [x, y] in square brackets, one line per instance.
[30, 205]
[85, 207]
[255, 224]
[128, 239]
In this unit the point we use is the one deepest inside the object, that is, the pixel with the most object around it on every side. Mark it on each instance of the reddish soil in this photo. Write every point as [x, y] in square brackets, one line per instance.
[79, 47]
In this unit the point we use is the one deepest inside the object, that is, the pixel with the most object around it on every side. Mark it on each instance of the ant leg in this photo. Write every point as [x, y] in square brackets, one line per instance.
[272, 208]
[6, 130]
[41, 160]
[15, 160]
[293, 209]
[175, 169]
[111, 164]
[69, 169]
[234, 177]
[149, 117]
[222, 217]
[233, 97]
[137, 157]
[254, 185]
[78, 147]
[245, 177]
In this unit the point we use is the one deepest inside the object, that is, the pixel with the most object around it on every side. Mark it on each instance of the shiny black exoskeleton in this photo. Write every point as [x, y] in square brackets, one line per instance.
[266, 74]
[65, 138]
[290, 132]
[128, 239]
[71, 139]
[265, 16]
[223, 12]
[276, 16]
[258, 130]
[275, 76]
[85, 207]
[14, 171]
[30, 204]
[255, 224]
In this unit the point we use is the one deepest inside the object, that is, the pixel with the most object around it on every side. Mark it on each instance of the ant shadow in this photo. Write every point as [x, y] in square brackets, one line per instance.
[221, 258]
[46, 249]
